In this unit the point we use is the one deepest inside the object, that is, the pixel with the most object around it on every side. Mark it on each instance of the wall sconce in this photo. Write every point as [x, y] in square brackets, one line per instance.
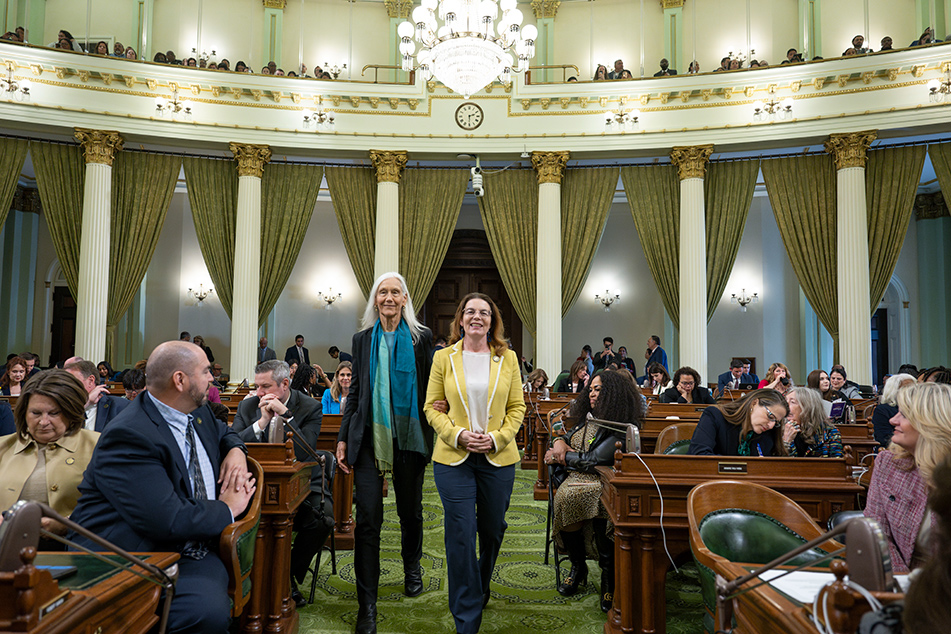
[201, 293]
[330, 297]
[334, 70]
[20, 89]
[607, 299]
[939, 89]
[319, 119]
[619, 120]
[205, 57]
[743, 299]
[772, 108]
[173, 106]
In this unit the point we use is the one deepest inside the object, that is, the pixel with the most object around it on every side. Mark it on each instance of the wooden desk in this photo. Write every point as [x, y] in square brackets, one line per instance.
[286, 486]
[343, 485]
[97, 598]
[537, 414]
[821, 486]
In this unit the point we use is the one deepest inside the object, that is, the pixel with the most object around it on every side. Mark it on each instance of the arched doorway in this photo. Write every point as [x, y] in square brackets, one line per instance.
[469, 268]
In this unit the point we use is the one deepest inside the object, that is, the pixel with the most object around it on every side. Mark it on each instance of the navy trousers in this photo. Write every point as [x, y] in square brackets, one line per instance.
[201, 604]
[475, 496]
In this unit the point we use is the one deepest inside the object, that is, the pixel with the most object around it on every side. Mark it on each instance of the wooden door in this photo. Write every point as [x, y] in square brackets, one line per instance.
[63, 328]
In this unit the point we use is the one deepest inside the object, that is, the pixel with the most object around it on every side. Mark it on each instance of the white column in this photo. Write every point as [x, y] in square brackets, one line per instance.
[691, 163]
[389, 167]
[246, 291]
[550, 168]
[855, 329]
[92, 304]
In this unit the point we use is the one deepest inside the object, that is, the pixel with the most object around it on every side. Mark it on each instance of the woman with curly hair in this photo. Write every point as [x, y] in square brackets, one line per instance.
[579, 515]
[304, 380]
[687, 388]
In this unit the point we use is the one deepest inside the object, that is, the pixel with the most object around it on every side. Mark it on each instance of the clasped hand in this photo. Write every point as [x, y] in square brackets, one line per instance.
[556, 455]
[475, 442]
[270, 405]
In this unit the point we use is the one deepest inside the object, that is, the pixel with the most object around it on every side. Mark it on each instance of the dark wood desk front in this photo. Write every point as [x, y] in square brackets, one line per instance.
[343, 485]
[821, 486]
[96, 598]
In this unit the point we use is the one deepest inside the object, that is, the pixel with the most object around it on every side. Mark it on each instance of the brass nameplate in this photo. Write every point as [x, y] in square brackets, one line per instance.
[731, 467]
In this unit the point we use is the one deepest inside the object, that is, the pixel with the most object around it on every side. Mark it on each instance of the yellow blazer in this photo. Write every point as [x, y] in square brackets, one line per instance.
[66, 460]
[447, 381]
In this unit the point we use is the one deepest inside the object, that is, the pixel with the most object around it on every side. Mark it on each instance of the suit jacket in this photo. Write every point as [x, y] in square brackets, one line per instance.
[291, 355]
[107, 409]
[307, 414]
[269, 354]
[136, 491]
[506, 406]
[564, 385]
[664, 73]
[356, 415]
[7, 425]
[897, 499]
[700, 395]
[714, 436]
[724, 379]
[657, 356]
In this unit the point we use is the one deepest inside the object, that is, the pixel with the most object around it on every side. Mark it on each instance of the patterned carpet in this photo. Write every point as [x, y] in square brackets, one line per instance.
[523, 588]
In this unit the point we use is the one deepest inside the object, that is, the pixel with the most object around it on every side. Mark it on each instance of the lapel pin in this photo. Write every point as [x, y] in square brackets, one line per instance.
[199, 420]
[496, 358]
[70, 460]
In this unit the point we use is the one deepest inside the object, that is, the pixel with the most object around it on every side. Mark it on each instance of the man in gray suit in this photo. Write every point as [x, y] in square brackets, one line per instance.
[265, 353]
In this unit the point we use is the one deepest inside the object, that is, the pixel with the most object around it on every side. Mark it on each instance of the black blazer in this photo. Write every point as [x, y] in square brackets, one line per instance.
[714, 436]
[701, 395]
[356, 417]
[108, 408]
[564, 385]
[291, 355]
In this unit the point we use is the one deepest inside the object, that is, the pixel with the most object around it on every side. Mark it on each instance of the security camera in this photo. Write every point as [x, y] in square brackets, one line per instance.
[477, 188]
[475, 171]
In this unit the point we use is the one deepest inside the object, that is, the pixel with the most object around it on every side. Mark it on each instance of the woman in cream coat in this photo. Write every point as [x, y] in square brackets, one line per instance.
[475, 452]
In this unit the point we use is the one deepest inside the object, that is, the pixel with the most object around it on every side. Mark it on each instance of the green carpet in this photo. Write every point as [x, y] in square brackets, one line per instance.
[523, 587]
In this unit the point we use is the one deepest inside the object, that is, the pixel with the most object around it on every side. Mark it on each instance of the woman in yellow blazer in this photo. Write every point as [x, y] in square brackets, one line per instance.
[45, 459]
[475, 453]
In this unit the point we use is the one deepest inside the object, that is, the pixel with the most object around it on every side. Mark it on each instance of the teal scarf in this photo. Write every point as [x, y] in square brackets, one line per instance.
[394, 397]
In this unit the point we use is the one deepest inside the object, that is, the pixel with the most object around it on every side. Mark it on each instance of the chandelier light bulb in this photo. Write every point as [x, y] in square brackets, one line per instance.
[933, 85]
[405, 29]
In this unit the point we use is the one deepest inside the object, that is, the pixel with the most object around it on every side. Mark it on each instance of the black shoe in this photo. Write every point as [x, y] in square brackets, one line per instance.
[296, 595]
[607, 590]
[576, 577]
[413, 583]
[606, 561]
[366, 620]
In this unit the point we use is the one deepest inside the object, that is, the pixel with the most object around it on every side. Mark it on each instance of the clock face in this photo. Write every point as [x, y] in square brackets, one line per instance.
[469, 116]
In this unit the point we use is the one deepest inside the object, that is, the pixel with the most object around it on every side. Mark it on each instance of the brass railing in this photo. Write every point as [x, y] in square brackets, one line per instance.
[376, 68]
[564, 68]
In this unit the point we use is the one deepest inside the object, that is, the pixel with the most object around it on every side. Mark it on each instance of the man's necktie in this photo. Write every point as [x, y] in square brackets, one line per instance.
[195, 549]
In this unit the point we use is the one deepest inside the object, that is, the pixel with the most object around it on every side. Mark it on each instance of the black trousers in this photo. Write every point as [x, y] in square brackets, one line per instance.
[313, 524]
[408, 470]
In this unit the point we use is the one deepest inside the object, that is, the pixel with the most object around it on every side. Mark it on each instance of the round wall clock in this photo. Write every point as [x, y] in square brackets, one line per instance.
[469, 116]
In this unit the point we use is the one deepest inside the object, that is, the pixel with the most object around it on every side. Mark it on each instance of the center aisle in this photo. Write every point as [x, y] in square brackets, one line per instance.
[523, 587]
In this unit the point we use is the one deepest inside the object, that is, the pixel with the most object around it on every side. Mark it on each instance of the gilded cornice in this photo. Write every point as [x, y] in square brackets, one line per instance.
[545, 8]
[691, 161]
[389, 164]
[849, 149]
[928, 206]
[250, 158]
[99, 146]
[671, 4]
[275, 4]
[398, 8]
[550, 166]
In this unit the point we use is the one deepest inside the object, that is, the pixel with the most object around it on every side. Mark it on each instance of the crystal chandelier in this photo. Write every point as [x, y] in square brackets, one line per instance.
[467, 51]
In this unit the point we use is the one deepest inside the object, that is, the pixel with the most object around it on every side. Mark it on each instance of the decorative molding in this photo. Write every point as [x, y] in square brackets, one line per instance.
[389, 164]
[99, 146]
[849, 149]
[929, 206]
[275, 4]
[671, 4]
[550, 166]
[545, 8]
[398, 8]
[691, 161]
[250, 158]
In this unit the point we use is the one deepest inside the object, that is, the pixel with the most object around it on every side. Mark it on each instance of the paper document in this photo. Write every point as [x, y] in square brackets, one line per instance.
[804, 586]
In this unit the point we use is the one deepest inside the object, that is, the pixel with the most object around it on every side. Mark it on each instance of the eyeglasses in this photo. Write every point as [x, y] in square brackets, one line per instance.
[771, 416]
[471, 312]
[687, 383]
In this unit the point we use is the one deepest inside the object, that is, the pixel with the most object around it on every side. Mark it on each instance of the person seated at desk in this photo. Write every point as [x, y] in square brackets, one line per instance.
[747, 427]
[897, 495]
[13, 378]
[658, 379]
[928, 603]
[888, 406]
[576, 380]
[106, 373]
[777, 378]
[819, 380]
[335, 399]
[153, 483]
[733, 378]
[536, 381]
[807, 432]
[579, 514]
[304, 380]
[687, 389]
[840, 381]
[45, 459]
[7, 426]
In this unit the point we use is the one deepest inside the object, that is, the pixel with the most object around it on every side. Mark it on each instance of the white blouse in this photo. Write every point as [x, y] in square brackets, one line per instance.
[476, 367]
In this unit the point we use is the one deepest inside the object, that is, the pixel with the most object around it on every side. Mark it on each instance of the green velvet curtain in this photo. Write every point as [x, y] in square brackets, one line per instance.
[940, 154]
[353, 192]
[430, 201]
[728, 193]
[142, 188]
[891, 183]
[288, 196]
[213, 196]
[60, 177]
[586, 196]
[653, 192]
[802, 192]
[12, 156]
[510, 216]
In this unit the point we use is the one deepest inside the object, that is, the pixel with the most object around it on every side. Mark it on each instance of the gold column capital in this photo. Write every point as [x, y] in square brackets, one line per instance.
[99, 146]
[691, 161]
[849, 149]
[250, 158]
[275, 4]
[398, 8]
[389, 164]
[671, 4]
[545, 8]
[550, 166]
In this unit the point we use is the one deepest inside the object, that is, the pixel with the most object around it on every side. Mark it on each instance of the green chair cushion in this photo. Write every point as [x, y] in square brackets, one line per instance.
[678, 448]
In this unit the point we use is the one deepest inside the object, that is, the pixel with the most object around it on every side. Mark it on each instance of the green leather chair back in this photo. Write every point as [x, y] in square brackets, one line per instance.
[678, 447]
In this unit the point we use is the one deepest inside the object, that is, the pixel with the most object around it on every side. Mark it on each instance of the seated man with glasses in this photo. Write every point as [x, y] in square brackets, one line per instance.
[751, 426]
[687, 389]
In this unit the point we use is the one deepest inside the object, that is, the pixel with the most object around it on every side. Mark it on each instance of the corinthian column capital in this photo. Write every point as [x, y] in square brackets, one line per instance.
[250, 158]
[550, 166]
[849, 150]
[691, 161]
[389, 164]
[99, 146]
[545, 8]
